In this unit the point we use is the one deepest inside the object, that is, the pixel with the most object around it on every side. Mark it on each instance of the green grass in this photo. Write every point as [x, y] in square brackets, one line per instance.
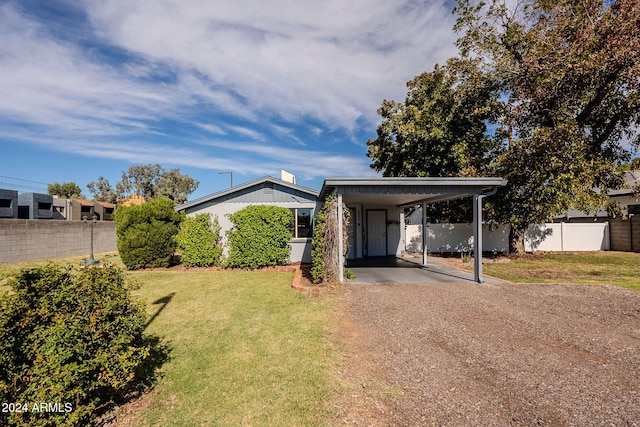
[613, 268]
[246, 348]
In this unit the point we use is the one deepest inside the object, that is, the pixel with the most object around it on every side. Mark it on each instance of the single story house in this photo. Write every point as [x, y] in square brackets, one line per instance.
[376, 205]
[263, 191]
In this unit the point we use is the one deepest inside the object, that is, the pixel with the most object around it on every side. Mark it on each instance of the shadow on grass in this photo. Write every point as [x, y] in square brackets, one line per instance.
[146, 377]
[164, 301]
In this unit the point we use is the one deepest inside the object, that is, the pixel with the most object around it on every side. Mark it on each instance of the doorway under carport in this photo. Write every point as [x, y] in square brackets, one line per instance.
[378, 204]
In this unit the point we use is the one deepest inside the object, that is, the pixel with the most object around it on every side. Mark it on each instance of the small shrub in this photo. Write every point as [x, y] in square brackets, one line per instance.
[260, 236]
[199, 241]
[349, 274]
[146, 233]
[71, 339]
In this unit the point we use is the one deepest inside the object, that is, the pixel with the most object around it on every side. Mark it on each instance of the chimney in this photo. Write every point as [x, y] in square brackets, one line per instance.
[286, 176]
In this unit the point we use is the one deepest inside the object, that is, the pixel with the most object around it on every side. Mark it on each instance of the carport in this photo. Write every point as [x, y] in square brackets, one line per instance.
[377, 211]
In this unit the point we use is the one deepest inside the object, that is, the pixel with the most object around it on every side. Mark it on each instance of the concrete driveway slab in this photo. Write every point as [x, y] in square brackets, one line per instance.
[400, 270]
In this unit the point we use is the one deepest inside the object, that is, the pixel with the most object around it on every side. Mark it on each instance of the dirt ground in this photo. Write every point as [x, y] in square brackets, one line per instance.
[490, 355]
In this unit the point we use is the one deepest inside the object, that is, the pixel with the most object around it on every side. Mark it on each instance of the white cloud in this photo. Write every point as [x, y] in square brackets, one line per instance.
[143, 80]
[333, 60]
[303, 162]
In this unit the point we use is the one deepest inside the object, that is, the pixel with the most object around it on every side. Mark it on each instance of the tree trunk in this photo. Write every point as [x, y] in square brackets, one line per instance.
[516, 241]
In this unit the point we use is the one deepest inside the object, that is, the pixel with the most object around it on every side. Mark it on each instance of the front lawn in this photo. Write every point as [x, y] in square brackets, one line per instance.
[613, 268]
[245, 348]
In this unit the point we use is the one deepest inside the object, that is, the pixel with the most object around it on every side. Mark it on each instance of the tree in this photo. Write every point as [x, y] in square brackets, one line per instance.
[175, 186]
[151, 181]
[103, 191]
[66, 190]
[562, 79]
[440, 130]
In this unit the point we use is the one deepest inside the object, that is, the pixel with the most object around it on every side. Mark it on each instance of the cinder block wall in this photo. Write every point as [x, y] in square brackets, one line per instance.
[625, 234]
[26, 239]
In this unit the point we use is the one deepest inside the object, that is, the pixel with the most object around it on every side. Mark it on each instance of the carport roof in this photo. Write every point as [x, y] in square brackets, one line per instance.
[407, 190]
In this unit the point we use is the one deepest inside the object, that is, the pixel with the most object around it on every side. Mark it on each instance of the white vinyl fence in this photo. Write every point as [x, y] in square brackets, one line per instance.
[554, 237]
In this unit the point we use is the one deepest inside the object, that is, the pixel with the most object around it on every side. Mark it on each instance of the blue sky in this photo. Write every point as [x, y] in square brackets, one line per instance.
[88, 88]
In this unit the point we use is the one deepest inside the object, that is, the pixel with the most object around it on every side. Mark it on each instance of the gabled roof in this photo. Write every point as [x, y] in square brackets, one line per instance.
[244, 186]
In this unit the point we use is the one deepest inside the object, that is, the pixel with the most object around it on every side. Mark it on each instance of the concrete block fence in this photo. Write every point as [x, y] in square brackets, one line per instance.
[625, 234]
[26, 240]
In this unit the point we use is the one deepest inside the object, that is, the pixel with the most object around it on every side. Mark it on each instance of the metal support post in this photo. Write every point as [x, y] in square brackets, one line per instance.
[340, 242]
[477, 237]
[425, 234]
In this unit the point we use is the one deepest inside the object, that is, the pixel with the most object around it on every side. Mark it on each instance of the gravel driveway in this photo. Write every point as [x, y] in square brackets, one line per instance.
[501, 354]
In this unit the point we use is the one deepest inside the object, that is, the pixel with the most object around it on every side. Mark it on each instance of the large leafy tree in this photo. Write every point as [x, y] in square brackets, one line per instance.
[65, 189]
[440, 130]
[152, 181]
[566, 78]
[103, 191]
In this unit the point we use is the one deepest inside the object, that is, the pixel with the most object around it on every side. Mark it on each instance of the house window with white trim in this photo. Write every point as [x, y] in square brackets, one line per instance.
[302, 223]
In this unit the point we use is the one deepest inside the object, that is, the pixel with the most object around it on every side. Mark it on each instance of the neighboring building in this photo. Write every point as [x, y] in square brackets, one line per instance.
[104, 210]
[8, 203]
[61, 208]
[627, 197]
[35, 206]
[81, 208]
[264, 191]
[134, 199]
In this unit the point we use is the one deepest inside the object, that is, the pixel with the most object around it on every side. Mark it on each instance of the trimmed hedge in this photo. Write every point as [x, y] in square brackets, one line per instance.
[146, 233]
[72, 340]
[199, 241]
[260, 236]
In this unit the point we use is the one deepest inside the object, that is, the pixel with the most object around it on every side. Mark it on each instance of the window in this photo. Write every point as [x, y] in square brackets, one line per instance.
[86, 209]
[5, 203]
[633, 209]
[303, 223]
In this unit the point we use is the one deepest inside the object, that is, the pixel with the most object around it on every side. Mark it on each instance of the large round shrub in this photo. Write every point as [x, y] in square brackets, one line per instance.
[260, 236]
[70, 340]
[199, 241]
[146, 233]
